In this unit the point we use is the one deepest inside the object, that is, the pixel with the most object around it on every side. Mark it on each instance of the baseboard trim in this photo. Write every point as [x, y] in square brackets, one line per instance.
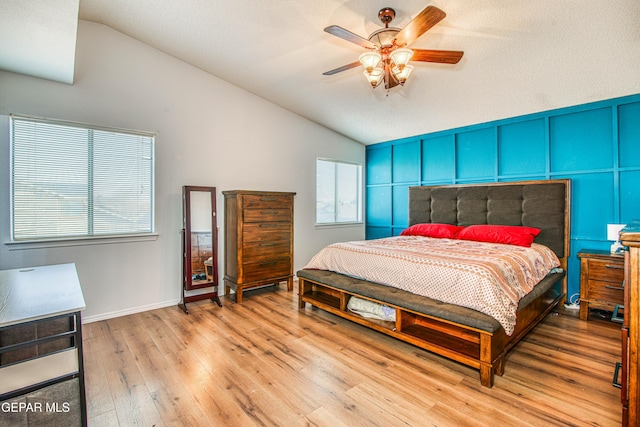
[133, 310]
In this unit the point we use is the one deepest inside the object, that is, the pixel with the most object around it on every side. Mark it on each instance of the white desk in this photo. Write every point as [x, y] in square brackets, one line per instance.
[34, 296]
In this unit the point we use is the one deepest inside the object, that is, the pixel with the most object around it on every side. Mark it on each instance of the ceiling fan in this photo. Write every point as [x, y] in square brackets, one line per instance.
[387, 58]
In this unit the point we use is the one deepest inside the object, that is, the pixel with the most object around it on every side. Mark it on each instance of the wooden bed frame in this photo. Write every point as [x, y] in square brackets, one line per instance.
[458, 333]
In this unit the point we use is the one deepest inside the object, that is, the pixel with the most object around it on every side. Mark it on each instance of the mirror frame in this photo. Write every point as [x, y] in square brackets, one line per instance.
[187, 268]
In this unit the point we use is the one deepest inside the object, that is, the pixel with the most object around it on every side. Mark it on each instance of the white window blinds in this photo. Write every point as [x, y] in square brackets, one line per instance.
[69, 180]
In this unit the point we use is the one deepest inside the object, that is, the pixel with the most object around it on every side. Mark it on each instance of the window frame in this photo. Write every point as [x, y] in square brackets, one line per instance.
[360, 195]
[79, 239]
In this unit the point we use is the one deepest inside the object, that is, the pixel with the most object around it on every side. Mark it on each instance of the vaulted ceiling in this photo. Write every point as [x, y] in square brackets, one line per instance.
[520, 56]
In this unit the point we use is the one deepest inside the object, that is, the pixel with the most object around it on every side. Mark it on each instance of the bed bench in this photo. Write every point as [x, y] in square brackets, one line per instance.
[426, 323]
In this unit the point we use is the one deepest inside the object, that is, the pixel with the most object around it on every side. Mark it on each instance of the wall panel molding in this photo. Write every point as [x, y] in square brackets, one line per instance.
[597, 145]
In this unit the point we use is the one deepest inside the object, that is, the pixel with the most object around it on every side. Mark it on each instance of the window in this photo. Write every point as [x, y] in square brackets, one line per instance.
[72, 181]
[338, 192]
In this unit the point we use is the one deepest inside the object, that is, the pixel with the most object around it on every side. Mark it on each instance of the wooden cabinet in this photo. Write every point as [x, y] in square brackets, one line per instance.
[630, 237]
[601, 277]
[258, 239]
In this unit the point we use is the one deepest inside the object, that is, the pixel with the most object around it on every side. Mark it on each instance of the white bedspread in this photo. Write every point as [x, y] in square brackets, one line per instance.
[487, 277]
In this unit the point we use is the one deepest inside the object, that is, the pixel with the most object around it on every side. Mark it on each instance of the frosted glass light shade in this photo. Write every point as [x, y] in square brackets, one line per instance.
[402, 74]
[401, 57]
[374, 77]
[370, 60]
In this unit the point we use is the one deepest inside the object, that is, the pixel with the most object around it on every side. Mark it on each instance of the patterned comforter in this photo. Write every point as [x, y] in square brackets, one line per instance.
[487, 277]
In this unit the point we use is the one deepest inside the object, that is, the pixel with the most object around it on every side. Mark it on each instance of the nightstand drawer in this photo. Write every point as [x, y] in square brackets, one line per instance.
[606, 271]
[606, 291]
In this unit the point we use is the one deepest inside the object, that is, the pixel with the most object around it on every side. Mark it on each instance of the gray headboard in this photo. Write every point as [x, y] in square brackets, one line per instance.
[542, 204]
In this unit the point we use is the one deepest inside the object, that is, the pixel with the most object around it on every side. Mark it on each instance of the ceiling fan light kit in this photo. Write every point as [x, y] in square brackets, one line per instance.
[401, 57]
[402, 74]
[387, 58]
[370, 60]
[374, 77]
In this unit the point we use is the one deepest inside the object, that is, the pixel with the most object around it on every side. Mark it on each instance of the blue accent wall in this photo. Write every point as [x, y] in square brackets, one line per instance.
[596, 145]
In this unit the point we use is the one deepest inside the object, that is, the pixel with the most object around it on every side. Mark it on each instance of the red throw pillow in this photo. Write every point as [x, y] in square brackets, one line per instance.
[447, 231]
[508, 234]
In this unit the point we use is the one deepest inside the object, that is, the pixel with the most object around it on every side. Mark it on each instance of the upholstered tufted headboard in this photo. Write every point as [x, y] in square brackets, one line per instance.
[541, 204]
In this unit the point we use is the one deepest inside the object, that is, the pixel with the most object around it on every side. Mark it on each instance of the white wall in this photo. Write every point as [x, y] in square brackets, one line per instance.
[209, 133]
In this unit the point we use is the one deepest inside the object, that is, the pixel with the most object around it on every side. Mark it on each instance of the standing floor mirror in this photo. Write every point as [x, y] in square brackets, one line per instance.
[199, 246]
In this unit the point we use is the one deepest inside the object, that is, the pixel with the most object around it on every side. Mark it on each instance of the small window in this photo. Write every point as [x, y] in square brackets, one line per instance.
[338, 192]
[70, 180]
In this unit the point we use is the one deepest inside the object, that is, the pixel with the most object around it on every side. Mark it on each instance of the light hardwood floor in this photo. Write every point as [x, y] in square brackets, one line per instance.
[265, 363]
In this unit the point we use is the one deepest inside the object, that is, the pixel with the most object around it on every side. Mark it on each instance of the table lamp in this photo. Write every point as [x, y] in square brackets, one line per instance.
[613, 233]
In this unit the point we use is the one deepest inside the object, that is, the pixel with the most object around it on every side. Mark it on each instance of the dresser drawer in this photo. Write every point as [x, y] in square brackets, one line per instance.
[267, 215]
[274, 268]
[267, 201]
[268, 231]
[606, 271]
[259, 251]
[606, 291]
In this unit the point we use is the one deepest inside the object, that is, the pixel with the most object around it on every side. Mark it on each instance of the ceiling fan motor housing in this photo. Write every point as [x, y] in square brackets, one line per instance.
[386, 15]
[384, 38]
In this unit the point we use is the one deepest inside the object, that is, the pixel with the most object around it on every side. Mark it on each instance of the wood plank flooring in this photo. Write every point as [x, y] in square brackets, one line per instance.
[265, 363]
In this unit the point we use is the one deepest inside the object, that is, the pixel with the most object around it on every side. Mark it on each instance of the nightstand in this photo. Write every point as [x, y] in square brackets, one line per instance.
[601, 279]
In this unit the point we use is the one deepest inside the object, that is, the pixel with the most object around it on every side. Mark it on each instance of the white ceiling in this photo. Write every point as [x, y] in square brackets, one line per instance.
[38, 38]
[520, 56]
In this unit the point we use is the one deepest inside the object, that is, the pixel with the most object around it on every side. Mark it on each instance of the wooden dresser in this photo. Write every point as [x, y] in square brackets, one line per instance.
[630, 237]
[258, 237]
[601, 276]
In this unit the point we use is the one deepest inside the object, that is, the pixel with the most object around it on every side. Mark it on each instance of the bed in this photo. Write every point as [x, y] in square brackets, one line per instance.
[457, 332]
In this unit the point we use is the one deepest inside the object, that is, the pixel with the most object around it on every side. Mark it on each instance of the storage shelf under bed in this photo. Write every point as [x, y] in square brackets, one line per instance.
[458, 342]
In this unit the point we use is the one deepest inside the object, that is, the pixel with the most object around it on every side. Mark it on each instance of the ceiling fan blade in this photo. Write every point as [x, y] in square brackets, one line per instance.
[440, 56]
[340, 69]
[429, 17]
[350, 37]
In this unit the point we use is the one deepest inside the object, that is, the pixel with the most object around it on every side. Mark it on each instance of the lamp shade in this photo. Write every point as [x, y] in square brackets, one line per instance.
[401, 57]
[374, 77]
[613, 231]
[402, 74]
[370, 60]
